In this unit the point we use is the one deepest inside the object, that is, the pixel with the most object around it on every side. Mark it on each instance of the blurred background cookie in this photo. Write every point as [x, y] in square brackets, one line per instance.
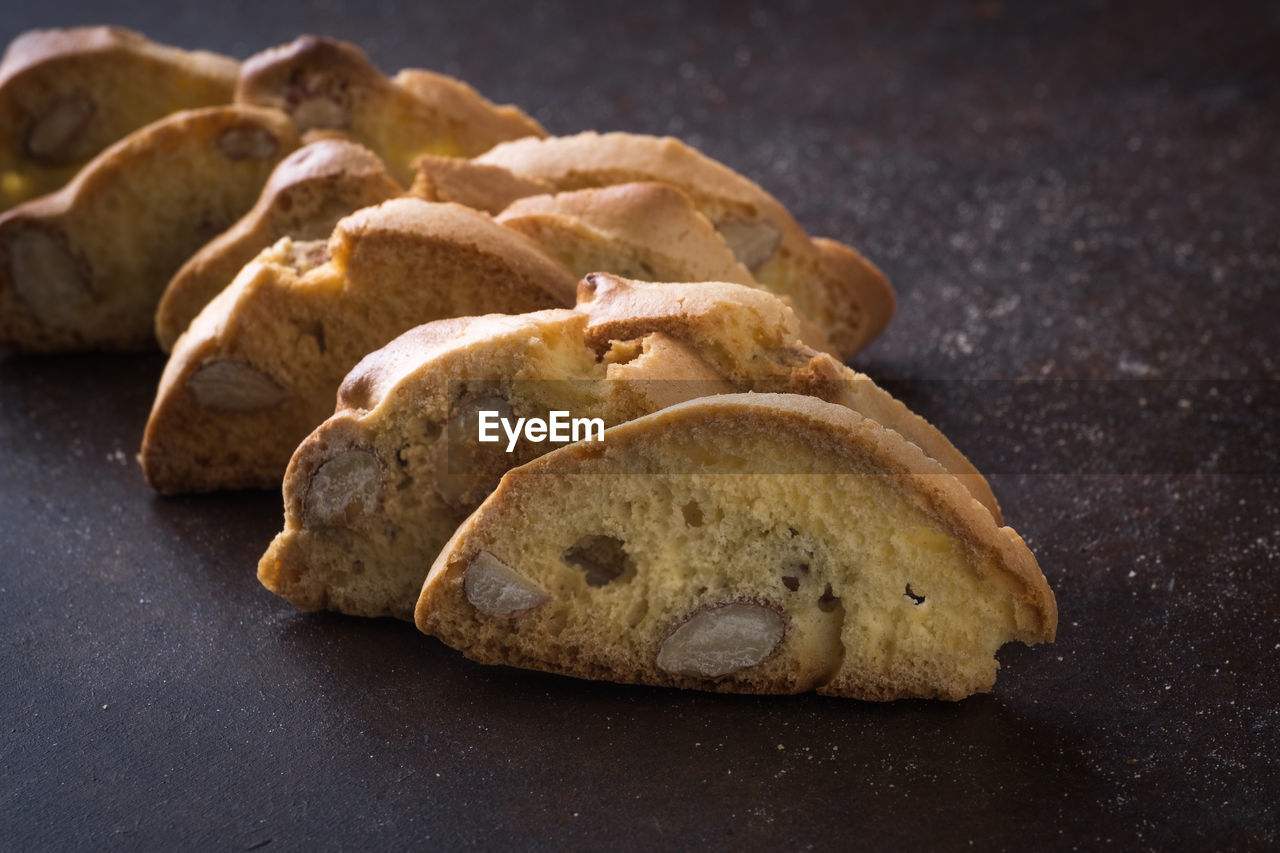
[66, 94]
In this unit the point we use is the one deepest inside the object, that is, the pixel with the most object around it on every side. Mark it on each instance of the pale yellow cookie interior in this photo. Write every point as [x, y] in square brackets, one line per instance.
[886, 592]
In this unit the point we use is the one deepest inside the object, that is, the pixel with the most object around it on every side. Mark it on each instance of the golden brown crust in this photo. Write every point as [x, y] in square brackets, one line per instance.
[855, 287]
[129, 220]
[404, 220]
[846, 297]
[304, 323]
[488, 188]
[328, 84]
[655, 226]
[836, 437]
[479, 123]
[592, 159]
[66, 94]
[285, 75]
[621, 309]
[368, 383]
[304, 198]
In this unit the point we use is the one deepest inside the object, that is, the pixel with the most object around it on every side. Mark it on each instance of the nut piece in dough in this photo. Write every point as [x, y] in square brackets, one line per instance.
[56, 135]
[233, 386]
[722, 638]
[343, 488]
[44, 274]
[495, 588]
[247, 143]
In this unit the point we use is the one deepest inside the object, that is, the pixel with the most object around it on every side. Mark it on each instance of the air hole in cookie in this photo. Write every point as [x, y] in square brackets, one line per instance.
[623, 352]
[603, 559]
[692, 514]
[314, 331]
[794, 570]
[916, 599]
[828, 601]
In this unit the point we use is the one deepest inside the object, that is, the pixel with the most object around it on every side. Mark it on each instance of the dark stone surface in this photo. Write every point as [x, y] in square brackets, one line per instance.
[1075, 191]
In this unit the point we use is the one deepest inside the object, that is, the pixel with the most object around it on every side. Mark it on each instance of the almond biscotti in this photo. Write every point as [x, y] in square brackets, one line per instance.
[760, 543]
[83, 268]
[304, 198]
[646, 231]
[327, 84]
[488, 188]
[829, 283]
[258, 368]
[745, 321]
[67, 94]
[374, 493]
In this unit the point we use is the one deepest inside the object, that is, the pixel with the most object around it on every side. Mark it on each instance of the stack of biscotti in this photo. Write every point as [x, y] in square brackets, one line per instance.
[258, 367]
[120, 159]
[391, 475]
[828, 283]
[754, 543]
[724, 505]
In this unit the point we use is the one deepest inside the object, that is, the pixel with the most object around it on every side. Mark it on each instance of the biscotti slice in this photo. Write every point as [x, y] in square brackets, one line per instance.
[753, 339]
[374, 493]
[844, 294]
[258, 368]
[462, 181]
[83, 268]
[327, 84]
[753, 543]
[67, 94]
[304, 198]
[646, 231]
[653, 228]
[475, 124]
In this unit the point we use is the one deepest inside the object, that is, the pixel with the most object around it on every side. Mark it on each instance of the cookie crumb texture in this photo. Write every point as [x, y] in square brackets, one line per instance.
[658, 561]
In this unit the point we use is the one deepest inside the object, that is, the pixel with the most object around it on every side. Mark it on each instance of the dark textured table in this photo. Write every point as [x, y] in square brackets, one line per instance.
[1077, 203]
